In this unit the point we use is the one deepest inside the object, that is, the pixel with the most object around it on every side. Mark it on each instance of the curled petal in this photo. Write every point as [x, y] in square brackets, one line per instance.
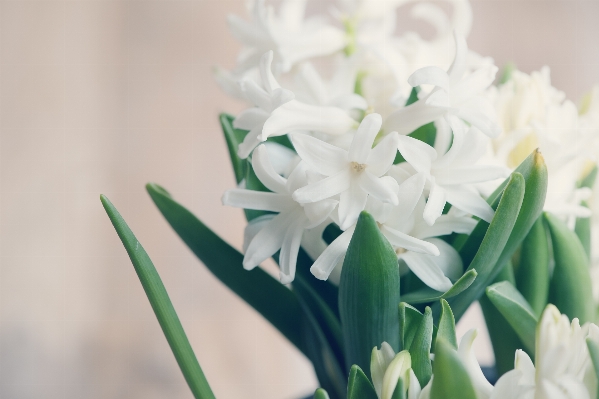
[403, 240]
[326, 262]
[434, 205]
[250, 118]
[430, 75]
[468, 358]
[250, 142]
[407, 119]
[268, 241]
[259, 200]
[319, 155]
[382, 156]
[418, 154]
[265, 171]
[289, 250]
[469, 201]
[426, 270]
[268, 79]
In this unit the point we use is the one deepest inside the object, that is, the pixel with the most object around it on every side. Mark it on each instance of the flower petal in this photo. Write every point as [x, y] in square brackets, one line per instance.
[324, 188]
[379, 361]
[318, 212]
[468, 358]
[250, 142]
[382, 156]
[351, 203]
[449, 260]
[255, 94]
[382, 188]
[434, 204]
[266, 173]
[469, 201]
[250, 118]
[469, 175]
[430, 75]
[426, 270]
[403, 240]
[290, 249]
[319, 155]
[268, 80]
[407, 119]
[458, 67]
[418, 154]
[445, 225]
[268, 241]
[259, 200]
[364, 138]
[326, 262]
[254, 227]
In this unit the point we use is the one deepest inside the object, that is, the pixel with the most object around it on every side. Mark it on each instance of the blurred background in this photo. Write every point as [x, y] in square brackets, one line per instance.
[105, 96]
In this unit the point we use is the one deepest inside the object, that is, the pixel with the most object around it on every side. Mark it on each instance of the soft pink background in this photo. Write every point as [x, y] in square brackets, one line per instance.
[104, 96]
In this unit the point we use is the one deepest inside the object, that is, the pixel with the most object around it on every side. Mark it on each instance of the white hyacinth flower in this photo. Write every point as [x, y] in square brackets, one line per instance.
[457, 97]
[450, 177]
[284, 231]
[352, 175]
[386, 368]
[563, 367]
[288, 34]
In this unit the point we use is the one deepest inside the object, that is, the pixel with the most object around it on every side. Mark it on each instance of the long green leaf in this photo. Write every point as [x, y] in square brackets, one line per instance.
[532, 277]
[359, 386]
[399, 392]
[490, 250]
[420, 349]
[516, 310]
[161, 304]
[447, 325]
[451, 378]
[274, 301]
[234, 137]
[570, 288]
[368, 293]
[427, 295]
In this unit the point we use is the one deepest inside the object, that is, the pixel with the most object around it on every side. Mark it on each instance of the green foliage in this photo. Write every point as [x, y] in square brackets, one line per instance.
[256, 287]
[400, 390]
[447, 325]
[570, 288]
[451, 378]
[321, 394]
[427, 294]
[516, 310]
[583, 225]
[594, 353]
[368, 293]
[161, 304]
[420, 348]
[359, 386]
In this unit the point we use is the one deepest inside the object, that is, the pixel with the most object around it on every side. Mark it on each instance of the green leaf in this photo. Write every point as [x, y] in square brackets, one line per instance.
[594, 353]
[409, 321]
[270, 298]
[493, 245]
[359, 386]
[368, 293]
[420, 349]
[427, 294]
[532, 277]
[451, 378]
[321, 394]
[234, 137]
[400, 391]
[161, 304]
[516, 310]
[447, 325]
[583, 225]
[570, 288]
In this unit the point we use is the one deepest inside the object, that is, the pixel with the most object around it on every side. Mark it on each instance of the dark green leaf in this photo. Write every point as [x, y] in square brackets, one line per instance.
[409, 321]
[368, 293]
[420, 349]
[447, 325]
[532, 277]
[427, 294]
[321, 394]
[518, 313]
[492, 246]
[234, 137]
[451, 378]
[359, 386]
[400, 391]
[265, 294]
[161, 304]
[570, 288]
[425, 133]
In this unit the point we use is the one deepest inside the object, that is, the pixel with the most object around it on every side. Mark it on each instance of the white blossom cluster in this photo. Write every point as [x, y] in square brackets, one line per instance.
[338, 84]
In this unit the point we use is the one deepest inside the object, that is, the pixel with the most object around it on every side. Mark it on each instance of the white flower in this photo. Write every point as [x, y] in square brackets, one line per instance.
[482, 387]
[451, 176]
[288, 34]
[386, 368]
[563, 368]
[283, 231]
[353, 174]
[456, 98]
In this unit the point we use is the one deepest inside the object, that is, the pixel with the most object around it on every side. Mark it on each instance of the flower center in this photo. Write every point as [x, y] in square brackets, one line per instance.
[358, 167]
[399, 251]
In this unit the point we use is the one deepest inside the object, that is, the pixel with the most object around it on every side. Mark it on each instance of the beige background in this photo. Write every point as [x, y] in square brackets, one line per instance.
[102, 97]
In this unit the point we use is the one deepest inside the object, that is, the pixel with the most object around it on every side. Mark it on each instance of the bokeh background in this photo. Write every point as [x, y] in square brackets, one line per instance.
[105, 96]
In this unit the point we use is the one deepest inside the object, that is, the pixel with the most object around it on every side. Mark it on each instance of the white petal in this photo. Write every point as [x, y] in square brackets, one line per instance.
[417, 153]
[426, 270]
[318, 212]
[468, 358]
[403, 240]
[474, 83]
[379, 361]
[469, 201]
[382, 188]
[508, 386]
[469, 175]
[480, 121]
[268, 241]
[406, 120]
[250, 142]
[351, 203]
[444, 225]
[414, 386]
[250, 118]
[254, 227]
[265, 172]
[319, 155]
[289, 250]
[430, 75]
[313, 83]
[457, 68]
[382, 156]
[312, 241]
[397, 369]
[255, 94]
[449, 260]
[364, 138]
[296, 116]
[259, 200]
[268, 80]
[326, 262]
[350, 101]
[324, 188]
[434, 204]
